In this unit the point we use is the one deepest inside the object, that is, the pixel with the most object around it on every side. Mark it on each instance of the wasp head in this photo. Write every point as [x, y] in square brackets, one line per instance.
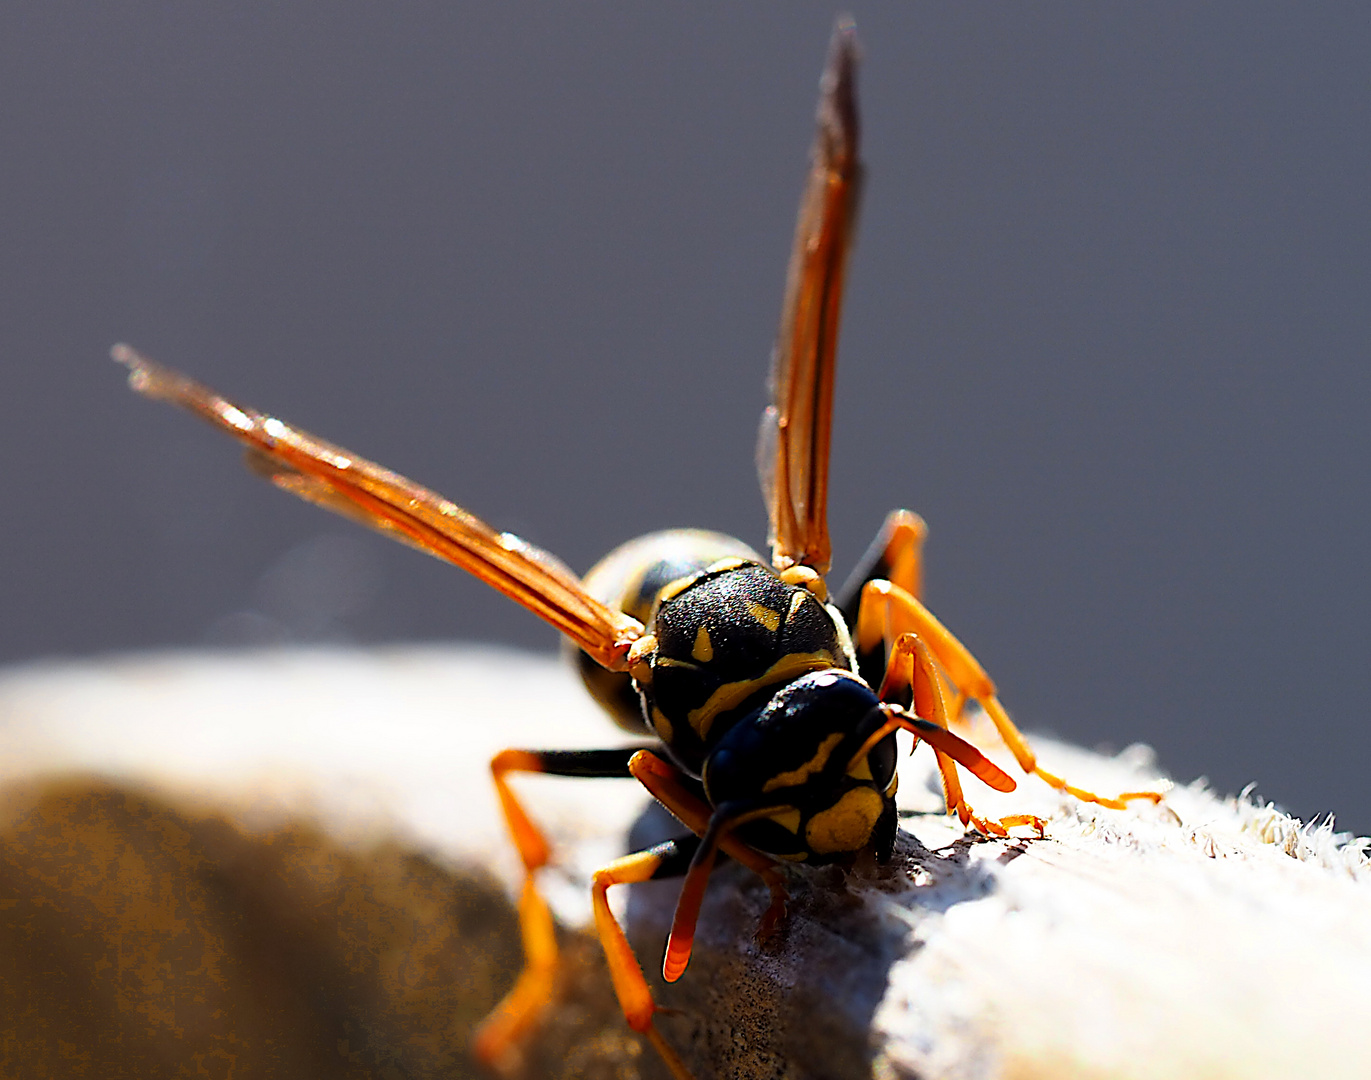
[800, 760]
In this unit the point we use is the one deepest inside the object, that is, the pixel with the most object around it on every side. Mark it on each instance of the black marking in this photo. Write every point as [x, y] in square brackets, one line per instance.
[674, 856]
[588, 763]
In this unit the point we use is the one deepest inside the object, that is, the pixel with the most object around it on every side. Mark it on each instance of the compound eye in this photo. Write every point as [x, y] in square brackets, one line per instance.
[741, 764]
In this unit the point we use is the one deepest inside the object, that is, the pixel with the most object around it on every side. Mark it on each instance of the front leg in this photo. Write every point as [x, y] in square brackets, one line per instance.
[886, 611]
[674, 858]
[910, 675]
[669, 859]
[533, 991]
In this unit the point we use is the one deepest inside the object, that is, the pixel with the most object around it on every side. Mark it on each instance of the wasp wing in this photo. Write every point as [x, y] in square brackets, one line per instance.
[792, 448]
[359, 489]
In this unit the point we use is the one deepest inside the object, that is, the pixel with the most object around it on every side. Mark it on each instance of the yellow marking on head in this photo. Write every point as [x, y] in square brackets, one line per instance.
[847, 824]
[815, 764]
[703, 649]
[764, 615]
[861, 769]
[787, 817]
[787, 669]
[661, 724]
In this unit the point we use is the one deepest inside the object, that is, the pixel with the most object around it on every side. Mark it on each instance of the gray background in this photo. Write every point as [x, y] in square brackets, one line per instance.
[1107, 328]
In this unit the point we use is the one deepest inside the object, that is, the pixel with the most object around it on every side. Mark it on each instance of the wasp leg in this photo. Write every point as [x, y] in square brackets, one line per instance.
[668, 787]
[886, 611]
[672, 788]
[910, 672]
[533, 990]
[896, 555]
[669, 859]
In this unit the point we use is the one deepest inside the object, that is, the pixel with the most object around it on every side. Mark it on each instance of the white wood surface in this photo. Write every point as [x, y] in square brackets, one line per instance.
[1205, 937]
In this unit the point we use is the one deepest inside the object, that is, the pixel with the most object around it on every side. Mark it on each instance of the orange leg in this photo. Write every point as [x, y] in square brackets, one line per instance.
[888, 611]
[520, 1009]
[910, 668]
[533, 991]
[635, 998]
[895, 555]
[663, 780]
[904, 533]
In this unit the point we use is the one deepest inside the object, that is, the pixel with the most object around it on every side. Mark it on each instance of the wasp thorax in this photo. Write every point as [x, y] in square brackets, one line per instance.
[631, 578]
[726, 638]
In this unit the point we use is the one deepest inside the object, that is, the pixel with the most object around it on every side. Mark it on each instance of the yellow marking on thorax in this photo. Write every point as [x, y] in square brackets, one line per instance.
[671, 661]
[703, 649]
[796, 602]
[640, 659]
[847, 824]
[806, 577]
[764, 615]
[861, 769]
[786, 669]
[674, 589]
[809, 768]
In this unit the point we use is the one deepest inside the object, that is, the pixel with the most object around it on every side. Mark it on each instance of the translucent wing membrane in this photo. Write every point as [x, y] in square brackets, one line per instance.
[792, 449]
[364, 491]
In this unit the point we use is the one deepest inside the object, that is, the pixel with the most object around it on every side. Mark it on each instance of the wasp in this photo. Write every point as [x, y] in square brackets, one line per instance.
[772, 705]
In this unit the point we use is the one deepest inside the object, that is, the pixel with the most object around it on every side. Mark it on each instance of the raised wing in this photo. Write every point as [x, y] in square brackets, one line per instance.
[792, 448]
[364, 491]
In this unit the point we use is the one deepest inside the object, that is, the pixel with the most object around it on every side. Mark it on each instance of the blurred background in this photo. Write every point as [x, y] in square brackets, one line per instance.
[1107, 329]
